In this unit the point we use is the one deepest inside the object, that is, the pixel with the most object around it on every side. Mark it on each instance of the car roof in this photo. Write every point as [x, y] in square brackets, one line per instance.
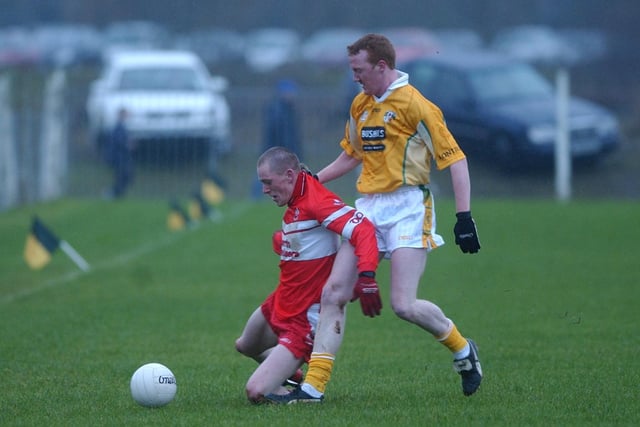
[464, 60]
[151, 57]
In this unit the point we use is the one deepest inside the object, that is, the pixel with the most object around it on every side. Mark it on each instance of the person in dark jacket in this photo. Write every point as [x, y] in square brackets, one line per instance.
[282, 127]
[120, 155]
[281, 124]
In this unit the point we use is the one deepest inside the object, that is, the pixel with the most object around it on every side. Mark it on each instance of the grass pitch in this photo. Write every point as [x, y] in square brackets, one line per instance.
[551, 300]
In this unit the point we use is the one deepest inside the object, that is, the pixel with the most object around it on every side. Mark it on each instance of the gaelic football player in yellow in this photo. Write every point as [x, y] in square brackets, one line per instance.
[397, 136]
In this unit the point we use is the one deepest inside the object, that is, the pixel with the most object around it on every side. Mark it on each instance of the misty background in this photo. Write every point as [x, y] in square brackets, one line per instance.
[611, 80]
[486, 16]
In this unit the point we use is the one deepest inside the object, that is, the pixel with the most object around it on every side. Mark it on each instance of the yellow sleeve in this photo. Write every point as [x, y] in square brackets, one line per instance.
[443, 146]
[350, 143]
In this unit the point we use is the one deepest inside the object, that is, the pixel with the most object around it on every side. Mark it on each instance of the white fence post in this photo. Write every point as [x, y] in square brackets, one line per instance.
[563, 141]
[9, 179]
[53, 140]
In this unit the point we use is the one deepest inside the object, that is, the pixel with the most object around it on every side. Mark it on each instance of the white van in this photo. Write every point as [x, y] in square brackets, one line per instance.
[167, 94]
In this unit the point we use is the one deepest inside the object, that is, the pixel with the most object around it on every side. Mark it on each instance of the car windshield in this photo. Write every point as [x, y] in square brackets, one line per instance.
[160, 79]
[508, 83]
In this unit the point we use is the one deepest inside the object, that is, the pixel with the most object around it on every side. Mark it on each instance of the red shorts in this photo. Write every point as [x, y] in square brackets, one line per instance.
[295, 333]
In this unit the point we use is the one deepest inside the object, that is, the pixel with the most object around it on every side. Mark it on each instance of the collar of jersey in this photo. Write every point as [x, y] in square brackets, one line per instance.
[298, 190]
[402, 80]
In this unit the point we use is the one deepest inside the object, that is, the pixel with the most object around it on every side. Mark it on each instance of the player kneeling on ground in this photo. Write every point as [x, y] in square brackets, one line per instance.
[279, 334]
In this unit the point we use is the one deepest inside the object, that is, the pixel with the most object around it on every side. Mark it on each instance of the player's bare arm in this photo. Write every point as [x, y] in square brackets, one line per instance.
[461, 185]
[340, 166]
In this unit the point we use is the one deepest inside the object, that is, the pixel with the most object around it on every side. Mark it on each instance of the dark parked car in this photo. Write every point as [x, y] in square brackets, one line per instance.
[506, 110]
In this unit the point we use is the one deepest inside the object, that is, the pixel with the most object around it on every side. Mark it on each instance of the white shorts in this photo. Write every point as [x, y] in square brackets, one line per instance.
[405, 218]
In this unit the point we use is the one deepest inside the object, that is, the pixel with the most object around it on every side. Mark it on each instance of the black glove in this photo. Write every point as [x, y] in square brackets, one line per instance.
[466, 233]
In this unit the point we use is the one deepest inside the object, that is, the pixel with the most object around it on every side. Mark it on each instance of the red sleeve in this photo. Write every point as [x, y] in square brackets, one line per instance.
[363, 239]
[348, 222]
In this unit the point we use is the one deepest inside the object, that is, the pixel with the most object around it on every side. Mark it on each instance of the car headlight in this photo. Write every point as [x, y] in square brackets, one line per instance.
[541, 134]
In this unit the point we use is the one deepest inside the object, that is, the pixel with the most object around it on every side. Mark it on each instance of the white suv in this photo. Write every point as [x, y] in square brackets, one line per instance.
[167, 94]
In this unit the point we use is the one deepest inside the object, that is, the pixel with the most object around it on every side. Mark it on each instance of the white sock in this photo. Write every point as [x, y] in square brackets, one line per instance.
[310, 390]
[462, 353]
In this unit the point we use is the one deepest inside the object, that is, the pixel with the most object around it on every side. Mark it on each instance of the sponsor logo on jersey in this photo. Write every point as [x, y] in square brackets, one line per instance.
[373, 147]
[375, 133]
[450, 152]
[288, 253]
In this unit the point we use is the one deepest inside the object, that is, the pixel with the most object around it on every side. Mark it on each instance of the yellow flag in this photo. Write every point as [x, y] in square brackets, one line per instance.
[40, 244]
[198, 207]
[178, 218]
[212, 192]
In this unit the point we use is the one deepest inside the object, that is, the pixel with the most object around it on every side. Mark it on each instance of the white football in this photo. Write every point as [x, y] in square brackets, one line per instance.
[153, 385]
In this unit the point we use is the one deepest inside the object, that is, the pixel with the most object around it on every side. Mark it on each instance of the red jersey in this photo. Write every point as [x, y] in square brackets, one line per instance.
[311, 228]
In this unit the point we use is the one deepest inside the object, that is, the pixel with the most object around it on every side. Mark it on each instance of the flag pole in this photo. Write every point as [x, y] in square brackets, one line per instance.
[75, 256]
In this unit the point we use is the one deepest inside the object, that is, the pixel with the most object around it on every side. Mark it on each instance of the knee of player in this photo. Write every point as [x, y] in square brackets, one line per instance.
[255, 390]
[403, 311]
[240, 346]
[253, 395]
[336, 293]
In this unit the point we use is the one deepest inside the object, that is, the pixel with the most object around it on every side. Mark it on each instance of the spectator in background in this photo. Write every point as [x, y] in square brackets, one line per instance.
[281, 124]
[120, 156]
[281, 119]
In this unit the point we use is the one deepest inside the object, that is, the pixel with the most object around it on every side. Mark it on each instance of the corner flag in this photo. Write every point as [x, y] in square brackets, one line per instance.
[198, 207]
[212, 190]
[178, 218]
[42, 242]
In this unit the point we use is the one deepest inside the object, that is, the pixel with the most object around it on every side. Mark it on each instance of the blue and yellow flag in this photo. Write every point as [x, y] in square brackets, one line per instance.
[212, 190]
[178, 218]
[41, 243]
[198, 207]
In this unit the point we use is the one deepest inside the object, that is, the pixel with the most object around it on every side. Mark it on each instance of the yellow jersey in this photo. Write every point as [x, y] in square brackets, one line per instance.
[396, 137]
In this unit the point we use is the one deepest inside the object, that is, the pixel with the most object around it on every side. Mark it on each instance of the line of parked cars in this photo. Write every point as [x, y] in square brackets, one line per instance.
[494, 100]
[266, 49]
